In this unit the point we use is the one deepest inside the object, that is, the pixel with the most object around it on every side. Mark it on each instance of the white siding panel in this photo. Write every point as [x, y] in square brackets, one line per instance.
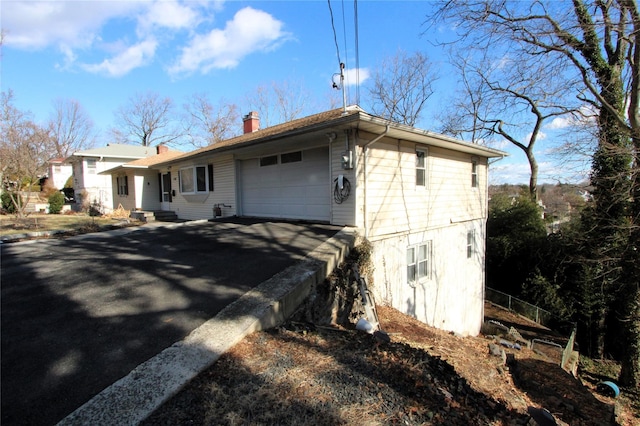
[344, 213]
[453, 297]
[201, 206]
[396, 204]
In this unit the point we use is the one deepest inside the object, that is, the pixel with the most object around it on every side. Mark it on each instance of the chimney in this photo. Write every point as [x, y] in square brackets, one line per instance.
[161, 148]
[251, 122]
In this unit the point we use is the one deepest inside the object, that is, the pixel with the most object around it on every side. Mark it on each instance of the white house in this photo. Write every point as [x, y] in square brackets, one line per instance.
[420, 198]
[59, 172]
[90, 186]
[137, 184]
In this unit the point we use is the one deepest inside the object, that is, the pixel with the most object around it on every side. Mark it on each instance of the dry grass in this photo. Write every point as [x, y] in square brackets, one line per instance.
[300, 375]
[77, 223]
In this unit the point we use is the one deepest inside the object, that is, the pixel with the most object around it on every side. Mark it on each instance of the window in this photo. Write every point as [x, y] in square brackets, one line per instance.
[269, 161]
[471, 242]
[291, 157]
[474, 173]
[194, 180]
[123, 185]
[91, 166]
[418, 262]
[421, 168]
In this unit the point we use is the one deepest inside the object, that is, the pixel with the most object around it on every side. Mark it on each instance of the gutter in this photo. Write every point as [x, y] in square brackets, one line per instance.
[366, 151]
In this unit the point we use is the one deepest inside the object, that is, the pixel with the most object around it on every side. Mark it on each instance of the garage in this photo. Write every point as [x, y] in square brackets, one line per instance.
[290, 185]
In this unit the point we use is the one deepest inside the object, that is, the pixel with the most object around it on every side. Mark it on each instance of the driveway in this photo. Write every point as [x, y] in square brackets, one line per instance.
[78, 314]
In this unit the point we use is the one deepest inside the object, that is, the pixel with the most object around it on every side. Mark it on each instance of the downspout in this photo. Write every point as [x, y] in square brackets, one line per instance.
[366, 151]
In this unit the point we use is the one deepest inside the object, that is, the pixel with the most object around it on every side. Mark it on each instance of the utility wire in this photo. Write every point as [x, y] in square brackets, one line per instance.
[344, 30]
[355, 19]
[335, 37]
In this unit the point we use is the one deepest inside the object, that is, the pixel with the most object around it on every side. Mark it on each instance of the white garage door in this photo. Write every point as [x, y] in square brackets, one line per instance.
[290, 185]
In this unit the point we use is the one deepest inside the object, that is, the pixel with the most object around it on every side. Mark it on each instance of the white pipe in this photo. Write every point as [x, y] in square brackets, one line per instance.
[366, 151]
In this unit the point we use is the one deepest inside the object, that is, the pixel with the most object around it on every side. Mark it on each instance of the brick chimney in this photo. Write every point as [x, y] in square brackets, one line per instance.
[251, 122]
[161, 148]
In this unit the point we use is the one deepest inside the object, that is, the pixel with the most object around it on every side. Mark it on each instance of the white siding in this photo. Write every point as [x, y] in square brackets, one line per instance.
[344, 213]
[201, 206]
[452, 298]
[395, 204]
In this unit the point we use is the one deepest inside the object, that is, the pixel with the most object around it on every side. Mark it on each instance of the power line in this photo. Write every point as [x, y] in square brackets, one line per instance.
[344, 31]
[355, 19]
[335, 37]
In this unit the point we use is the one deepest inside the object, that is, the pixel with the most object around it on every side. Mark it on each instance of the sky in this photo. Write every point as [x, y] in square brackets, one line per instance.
[103, 53]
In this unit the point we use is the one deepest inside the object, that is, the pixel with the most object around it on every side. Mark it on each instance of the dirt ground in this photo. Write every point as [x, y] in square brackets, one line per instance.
[303, 374]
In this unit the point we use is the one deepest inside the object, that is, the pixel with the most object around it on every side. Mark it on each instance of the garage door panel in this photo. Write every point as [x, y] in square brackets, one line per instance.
[296, 190]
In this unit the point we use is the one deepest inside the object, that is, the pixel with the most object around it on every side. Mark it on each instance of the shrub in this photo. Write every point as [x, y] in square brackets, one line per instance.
[56, 201]
[7, 203]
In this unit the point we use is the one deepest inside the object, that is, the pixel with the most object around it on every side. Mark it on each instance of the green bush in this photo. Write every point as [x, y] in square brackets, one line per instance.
[7, 204]
[56, 201]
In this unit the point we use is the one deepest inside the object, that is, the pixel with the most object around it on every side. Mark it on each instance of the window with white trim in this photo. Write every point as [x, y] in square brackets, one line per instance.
[471, 242]
[474, 173]
[91, 166]
[418, 262]
[194, 180]
[421, 167]
[122, 182]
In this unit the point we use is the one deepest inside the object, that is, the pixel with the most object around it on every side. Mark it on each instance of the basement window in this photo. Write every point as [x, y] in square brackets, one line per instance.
[418, 263]
[471, 242]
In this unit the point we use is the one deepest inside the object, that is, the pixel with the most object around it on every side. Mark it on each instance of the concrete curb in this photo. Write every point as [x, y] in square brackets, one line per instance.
[134, 397]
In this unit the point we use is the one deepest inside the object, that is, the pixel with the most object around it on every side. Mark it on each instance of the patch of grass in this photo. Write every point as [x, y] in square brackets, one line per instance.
[9, 224]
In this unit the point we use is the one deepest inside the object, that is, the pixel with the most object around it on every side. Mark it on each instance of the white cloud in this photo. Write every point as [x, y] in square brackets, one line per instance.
[168, 15]
[250, 31]
[36, 25]
[351, 76]
[132, 57]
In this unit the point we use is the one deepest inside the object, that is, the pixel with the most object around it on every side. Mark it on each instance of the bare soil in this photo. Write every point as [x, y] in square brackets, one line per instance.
[303, 374]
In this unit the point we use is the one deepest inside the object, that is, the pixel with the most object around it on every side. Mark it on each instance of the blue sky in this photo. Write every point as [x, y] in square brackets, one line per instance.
[101, 53]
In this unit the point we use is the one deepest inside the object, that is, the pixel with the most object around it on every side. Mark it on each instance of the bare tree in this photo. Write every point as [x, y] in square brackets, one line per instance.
[401, 87]
[279, 102]
[25, 149]
[147, 120]
[511, 100]
[71, 127]
[206, 124]
[598, 40]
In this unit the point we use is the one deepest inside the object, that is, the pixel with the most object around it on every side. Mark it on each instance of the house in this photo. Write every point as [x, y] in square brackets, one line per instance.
[420, 198]
[59, 172]
[90, 186]
[138, 184]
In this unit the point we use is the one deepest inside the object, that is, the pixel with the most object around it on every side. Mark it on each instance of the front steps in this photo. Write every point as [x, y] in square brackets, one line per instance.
[155, 216]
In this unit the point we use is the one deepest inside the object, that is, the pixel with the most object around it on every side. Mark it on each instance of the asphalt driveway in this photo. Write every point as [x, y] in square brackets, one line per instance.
[78, 314]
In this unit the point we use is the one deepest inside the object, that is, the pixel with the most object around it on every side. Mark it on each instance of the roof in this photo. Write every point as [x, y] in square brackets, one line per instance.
[337, 119]
[145, 163]
[117, 151]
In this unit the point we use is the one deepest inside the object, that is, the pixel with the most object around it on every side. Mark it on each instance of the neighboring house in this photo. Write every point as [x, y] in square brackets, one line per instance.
[138, 184]
[92, 187]
[59, 172]
[420, 198]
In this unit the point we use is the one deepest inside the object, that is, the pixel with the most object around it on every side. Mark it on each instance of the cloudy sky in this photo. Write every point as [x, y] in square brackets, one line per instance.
[101, 53]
